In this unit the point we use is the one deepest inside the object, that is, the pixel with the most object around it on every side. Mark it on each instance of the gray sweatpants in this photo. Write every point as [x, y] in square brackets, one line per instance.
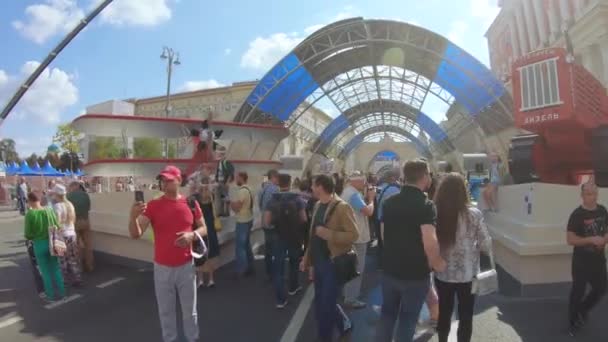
[169, 282]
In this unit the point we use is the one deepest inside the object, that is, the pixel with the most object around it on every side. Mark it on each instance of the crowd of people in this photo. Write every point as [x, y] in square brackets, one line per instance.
[428, 238]
[57, 233]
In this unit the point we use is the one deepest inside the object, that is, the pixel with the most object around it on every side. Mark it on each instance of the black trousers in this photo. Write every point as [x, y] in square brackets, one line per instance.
[586, 271]
[466, 302]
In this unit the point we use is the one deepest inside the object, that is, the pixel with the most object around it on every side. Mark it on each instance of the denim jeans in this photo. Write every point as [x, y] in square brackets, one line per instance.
[401, 300]
[281, 251]
[243, 252]
[329, 316]
[269, 239]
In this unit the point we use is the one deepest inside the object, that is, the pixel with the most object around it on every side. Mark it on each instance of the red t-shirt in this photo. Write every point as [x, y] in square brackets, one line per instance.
[169, 217]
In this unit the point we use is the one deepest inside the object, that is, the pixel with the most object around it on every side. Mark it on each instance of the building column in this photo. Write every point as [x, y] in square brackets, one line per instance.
[586, 58]
[539, 14]
[529, 16]
[521, 30]
[603, 49]
[554, 25]
[566, 15]
[514, 40]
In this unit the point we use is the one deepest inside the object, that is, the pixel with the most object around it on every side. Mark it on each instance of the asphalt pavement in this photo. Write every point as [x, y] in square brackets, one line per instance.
[117, 304]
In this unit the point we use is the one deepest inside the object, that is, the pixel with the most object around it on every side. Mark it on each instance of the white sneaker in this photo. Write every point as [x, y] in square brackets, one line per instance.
[282, 305]
[295, 292]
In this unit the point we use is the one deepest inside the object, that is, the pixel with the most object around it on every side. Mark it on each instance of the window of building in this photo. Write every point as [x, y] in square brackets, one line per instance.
[539, 85]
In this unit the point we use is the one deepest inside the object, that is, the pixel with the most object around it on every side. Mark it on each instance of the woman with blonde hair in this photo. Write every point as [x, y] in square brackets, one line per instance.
[66, 214]
[462, 235]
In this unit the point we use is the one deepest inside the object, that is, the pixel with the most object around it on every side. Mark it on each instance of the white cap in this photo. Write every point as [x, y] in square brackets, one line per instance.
[59, 190]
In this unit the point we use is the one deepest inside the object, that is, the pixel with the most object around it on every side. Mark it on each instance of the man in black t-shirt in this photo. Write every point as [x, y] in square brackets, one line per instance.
[588, 233]
[410, 252]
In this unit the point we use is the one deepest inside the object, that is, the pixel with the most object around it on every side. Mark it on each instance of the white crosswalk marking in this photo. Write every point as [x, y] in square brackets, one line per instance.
[62, 302]
[10, 321]
[110, 282]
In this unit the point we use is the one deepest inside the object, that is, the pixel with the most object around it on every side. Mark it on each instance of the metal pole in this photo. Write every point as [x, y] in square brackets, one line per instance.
[51, 56]
[168, 104]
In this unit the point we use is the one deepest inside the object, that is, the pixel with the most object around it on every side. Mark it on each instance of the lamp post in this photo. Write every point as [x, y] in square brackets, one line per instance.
[172, 59]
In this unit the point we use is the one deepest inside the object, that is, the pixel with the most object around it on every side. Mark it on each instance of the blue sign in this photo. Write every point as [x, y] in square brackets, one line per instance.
[386, 156]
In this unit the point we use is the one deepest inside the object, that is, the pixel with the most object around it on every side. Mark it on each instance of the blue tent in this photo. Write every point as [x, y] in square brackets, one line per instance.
[25, 170]
[12, 168]
[37, 168]
[67, 173]
[79, 173]
[49, 171]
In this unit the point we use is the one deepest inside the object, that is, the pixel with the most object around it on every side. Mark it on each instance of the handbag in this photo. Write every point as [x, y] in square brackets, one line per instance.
[345, 265]
[198, 248]
[486, 282]
[217, 222]
[57, 245]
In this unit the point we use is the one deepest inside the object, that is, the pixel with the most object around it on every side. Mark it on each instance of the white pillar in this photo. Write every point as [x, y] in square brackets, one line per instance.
[530, 25]
[603, 47]
[554, 25]
[564, 7]
[514, 40]
[521, 30]
[539, 14]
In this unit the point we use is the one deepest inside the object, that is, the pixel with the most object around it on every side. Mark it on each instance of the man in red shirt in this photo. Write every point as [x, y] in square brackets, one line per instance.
[172, 221]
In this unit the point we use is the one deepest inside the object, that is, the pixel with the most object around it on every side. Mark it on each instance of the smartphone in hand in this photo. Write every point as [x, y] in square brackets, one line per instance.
[139, 196]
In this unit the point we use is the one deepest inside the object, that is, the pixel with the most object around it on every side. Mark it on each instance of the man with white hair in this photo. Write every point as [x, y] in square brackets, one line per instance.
[363, 208]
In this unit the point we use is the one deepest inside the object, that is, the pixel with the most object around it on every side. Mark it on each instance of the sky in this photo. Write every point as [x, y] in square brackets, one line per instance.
[220, 42]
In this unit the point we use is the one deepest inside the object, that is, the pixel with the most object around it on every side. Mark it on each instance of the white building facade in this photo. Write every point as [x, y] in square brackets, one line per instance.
[523, 26]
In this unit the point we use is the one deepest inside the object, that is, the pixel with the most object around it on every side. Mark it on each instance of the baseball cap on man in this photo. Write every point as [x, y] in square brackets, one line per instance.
[170, 172]
[59, 190]
[356, 175]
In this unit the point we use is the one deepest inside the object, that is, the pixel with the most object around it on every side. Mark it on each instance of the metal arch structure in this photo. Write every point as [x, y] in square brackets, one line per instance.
[364, 135]
[357, 61]
[383, 113]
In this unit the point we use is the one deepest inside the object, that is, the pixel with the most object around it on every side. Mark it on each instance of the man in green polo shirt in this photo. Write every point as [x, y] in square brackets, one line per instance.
[82, 205]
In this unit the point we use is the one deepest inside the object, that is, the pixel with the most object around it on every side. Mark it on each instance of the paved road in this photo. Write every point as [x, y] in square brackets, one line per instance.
[117, 304]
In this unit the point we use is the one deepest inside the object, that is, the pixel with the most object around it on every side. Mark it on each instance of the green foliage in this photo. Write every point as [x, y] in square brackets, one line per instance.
[105, 148]
[67, 138]
[8, 151]
[147, 148]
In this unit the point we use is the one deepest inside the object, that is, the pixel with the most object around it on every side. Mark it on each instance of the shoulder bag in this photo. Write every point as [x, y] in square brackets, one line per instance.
[57, 245]
[345, 265]
[198, 249]
[486, 282]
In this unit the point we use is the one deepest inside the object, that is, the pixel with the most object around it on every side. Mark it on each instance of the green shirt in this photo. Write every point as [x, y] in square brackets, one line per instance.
[81, 202]
[37, 223]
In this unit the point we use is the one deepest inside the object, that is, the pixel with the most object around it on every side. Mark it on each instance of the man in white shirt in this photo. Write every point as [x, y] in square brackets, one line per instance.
[363, 208]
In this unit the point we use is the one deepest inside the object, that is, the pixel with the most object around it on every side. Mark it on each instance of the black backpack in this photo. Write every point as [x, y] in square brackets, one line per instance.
[286, 217]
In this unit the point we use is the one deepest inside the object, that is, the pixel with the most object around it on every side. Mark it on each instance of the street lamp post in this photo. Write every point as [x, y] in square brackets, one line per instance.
[172, 58]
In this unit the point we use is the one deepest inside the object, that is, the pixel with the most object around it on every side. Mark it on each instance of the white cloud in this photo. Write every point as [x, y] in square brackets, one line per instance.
[48, 19]
[38, 145]
[53, 17]
[457, 31]
[485, 10]
[264, 52]
[199, 85]
[228, 52]
[51, 94]
[137, 12]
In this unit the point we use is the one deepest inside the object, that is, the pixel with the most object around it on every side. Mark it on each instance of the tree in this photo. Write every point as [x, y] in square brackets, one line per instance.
[67, 137]
[8, 150]
[69, 161]
[147, 148]
[31, 160]
[106, 148]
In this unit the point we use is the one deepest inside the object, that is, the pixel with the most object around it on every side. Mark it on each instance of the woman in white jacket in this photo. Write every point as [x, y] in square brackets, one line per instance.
[462, 235]
[70, 262]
